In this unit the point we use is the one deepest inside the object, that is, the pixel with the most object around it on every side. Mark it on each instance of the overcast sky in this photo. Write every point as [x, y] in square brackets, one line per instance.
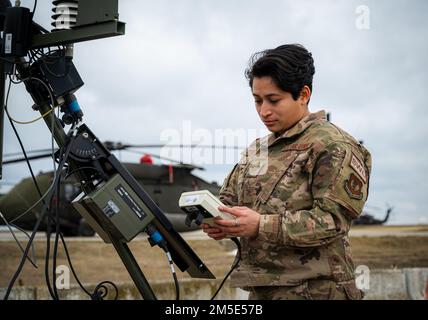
[181, 63]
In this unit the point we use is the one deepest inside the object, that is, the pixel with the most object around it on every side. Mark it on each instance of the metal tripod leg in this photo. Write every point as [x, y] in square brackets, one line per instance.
[133, 269]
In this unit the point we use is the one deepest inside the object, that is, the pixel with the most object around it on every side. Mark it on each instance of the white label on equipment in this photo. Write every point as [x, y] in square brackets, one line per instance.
[113, 206]
[8, 44]
[191, 199]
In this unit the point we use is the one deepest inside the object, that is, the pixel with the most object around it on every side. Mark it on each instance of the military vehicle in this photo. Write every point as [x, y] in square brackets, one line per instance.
[164, 183]
[368, 219]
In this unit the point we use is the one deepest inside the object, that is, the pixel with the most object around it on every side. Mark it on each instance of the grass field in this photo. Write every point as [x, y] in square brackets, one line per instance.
[96, 261]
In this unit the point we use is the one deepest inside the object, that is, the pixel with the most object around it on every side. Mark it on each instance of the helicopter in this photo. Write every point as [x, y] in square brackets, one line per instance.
[163, 182]
[368, 219]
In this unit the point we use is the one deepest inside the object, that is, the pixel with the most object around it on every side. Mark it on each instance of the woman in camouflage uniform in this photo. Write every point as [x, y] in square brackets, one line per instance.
[295, 192]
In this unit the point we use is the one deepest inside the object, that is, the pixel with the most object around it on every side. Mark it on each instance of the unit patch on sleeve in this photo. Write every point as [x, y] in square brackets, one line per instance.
[353, 186]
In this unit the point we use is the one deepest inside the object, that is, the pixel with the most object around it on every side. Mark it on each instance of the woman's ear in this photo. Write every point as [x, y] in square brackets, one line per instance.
[305, 95]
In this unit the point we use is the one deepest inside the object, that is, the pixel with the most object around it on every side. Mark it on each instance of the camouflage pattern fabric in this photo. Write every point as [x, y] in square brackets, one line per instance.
[308, 290]
[308, 184]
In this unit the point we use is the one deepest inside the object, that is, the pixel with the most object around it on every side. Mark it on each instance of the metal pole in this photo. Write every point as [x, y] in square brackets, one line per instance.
[57, 130]
[2, 90]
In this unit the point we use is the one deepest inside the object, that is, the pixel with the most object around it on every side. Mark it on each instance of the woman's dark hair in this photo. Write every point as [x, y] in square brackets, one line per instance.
[290, 66]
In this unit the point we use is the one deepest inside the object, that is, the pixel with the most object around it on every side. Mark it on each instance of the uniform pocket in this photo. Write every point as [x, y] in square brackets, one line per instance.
[320, 289]
[272, 177]
[352, 292]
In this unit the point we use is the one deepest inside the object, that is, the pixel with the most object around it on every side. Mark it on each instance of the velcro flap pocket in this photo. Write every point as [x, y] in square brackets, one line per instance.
[277, 168]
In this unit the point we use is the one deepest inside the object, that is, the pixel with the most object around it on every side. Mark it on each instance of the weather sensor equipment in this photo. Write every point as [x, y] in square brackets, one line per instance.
[202, 206]
[64, 14]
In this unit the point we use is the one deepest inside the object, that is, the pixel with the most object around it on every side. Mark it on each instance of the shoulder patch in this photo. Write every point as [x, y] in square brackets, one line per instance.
[353, 186]
[356, 164]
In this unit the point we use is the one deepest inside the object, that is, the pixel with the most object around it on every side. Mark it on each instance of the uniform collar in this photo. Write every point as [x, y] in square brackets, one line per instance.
[299, 127]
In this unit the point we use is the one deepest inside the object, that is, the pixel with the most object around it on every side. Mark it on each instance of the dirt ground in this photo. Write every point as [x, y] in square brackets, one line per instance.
[96, 261]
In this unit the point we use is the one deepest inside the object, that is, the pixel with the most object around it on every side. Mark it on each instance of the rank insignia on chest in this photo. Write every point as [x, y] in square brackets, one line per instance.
[353, 186]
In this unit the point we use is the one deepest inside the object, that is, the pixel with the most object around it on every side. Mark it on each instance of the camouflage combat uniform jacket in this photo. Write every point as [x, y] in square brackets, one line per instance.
[308, 186]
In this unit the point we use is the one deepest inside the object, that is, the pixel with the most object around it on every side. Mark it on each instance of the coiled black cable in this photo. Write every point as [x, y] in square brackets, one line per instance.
[237, 260]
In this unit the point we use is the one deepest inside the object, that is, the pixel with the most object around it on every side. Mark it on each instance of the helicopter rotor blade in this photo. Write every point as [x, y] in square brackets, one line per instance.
[373, 207]
[164, 158]
[110, 145]
[119, 146]
[185, 146]
[191, 146]
[14, 154]
[40, 156]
